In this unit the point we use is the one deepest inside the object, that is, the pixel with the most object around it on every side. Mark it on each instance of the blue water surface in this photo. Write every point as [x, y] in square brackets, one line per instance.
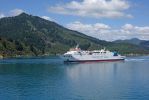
[48, 78]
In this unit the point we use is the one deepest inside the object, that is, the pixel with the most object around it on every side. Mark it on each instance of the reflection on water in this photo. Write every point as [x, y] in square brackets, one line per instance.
[51, 79]
[92, 69]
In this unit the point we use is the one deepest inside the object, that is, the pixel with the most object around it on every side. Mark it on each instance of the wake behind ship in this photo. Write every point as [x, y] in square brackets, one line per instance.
[78, 55]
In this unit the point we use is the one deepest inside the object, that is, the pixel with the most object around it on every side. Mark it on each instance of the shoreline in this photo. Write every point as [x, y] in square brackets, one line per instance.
[54, 55]
[135, 55]
[27, 56]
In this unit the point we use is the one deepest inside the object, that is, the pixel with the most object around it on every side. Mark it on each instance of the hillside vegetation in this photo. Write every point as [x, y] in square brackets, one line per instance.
[31, 35]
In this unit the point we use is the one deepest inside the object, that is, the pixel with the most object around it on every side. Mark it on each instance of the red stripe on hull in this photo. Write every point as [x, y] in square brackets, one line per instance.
[95, 60]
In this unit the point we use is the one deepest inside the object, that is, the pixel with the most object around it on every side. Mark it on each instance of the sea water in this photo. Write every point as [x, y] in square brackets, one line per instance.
[48, 78]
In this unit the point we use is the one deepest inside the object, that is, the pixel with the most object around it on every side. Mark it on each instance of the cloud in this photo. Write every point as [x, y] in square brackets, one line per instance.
[87, 28]
[47, 18]
[93, 8]
[2, 15]
[13, 12]
[136, 29]
[128, 27]
[16, 12]
[106, 32]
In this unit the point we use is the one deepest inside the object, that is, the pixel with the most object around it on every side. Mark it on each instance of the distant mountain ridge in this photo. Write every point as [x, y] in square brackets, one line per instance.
[31, 35]
[135, 41]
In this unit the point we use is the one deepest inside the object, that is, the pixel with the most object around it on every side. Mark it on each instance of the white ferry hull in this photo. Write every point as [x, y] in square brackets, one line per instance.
[87, 58]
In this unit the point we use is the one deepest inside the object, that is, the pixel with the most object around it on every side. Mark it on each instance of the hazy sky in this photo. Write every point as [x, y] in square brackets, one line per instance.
[104, 19]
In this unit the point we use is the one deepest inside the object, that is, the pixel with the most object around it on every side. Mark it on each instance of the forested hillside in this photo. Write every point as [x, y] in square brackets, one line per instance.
[31, 35]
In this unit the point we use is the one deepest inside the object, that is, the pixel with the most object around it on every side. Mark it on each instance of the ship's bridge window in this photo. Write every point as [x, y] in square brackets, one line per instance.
[90, 53]
[67, 56]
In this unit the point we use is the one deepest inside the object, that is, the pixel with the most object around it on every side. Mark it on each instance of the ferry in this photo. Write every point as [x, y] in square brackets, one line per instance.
[78, 55]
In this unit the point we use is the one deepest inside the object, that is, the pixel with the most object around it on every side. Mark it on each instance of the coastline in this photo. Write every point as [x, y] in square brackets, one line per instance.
[54, 55]
[27, 56]
[135, 55]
